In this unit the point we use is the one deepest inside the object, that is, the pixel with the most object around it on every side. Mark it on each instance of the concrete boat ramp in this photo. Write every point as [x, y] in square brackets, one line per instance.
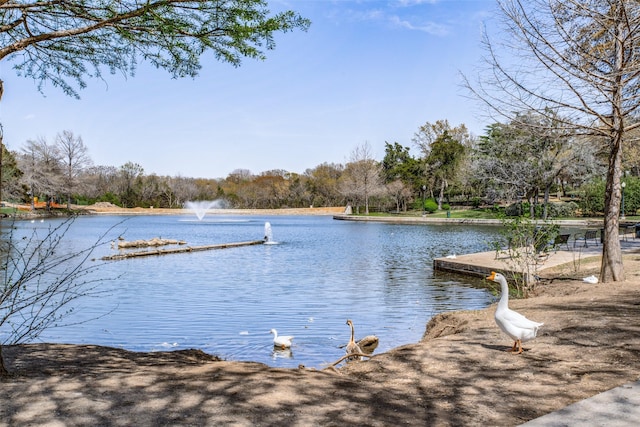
[483, 263]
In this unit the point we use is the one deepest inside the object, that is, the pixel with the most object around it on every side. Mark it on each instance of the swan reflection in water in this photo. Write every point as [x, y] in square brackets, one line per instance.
[279, 353]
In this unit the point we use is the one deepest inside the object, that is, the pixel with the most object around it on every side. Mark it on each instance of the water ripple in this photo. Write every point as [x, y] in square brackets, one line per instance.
[320, 273]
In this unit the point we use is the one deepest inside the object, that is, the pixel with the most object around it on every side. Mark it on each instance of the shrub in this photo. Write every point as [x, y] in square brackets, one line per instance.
[430, 205]
[592, 201]
[521, 236]
[514, 209]
[562, 209]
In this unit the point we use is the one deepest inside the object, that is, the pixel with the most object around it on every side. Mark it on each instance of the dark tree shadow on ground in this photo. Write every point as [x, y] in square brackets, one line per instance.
[459, 374]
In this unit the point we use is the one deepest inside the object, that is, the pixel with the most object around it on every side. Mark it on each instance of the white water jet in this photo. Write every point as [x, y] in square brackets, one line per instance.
[200, 207]
[268, 234]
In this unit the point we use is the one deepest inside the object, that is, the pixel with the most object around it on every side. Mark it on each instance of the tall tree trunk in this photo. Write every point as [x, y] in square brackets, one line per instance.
[441, 195]
[1, 150]
[366, 204]
[545, 206]
[612, 268]
[3, 369]
[532, 206]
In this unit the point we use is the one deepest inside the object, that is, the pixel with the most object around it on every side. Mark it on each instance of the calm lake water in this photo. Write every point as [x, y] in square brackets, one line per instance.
[318, 273]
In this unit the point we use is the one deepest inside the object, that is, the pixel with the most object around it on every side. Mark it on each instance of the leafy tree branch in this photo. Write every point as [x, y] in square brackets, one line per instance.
[64, 42]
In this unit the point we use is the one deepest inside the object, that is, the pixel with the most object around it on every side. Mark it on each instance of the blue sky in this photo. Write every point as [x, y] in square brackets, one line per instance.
[366, 71]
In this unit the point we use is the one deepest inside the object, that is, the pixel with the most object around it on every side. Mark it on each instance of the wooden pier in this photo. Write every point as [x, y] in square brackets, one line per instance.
[179, 250]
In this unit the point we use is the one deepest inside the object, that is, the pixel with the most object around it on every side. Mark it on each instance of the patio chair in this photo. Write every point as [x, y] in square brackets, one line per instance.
[561, 239]
[586, 237]
[625, 230]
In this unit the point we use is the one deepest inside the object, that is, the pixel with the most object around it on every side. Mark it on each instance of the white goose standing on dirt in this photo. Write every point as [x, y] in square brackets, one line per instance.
[512, 323]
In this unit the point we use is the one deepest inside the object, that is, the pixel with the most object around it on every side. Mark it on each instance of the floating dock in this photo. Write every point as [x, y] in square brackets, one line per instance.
[180, 250]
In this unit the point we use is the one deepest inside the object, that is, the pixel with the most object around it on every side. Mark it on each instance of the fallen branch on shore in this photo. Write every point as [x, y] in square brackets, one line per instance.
[367, 344]
[346, 356]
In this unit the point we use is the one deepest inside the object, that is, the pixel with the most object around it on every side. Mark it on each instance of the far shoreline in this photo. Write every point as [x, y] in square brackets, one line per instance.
[102, 209]
[337, 212]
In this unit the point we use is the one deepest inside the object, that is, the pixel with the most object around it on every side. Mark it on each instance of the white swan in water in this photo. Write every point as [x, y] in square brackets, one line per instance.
[512, 323]
[283, 341]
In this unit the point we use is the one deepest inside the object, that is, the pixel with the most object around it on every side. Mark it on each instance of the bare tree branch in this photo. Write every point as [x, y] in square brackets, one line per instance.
[576, 61]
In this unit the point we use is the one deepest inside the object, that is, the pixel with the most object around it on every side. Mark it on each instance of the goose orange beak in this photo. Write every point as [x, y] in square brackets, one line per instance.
[493, 276]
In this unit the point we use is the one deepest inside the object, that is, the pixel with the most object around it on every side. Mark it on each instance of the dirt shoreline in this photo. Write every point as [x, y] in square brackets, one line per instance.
[458, 374]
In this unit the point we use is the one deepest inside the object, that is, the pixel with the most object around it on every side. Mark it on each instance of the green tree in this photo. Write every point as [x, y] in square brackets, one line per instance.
[10, 174]
[592, 196]
[398, 163]
[424, 139]
[402, 174]
[272, 189]
[299, 195]
[443, 160]
[429, 132]
[322, 182]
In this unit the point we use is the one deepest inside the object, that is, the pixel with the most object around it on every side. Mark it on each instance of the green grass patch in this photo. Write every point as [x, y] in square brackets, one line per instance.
[8, 211]
[467, 214]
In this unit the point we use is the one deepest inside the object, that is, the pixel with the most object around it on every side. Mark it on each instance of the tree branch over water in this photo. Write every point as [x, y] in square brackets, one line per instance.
[64, 42]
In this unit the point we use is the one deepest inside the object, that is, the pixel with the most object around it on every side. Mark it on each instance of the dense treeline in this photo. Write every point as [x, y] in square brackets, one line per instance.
[527, 161]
